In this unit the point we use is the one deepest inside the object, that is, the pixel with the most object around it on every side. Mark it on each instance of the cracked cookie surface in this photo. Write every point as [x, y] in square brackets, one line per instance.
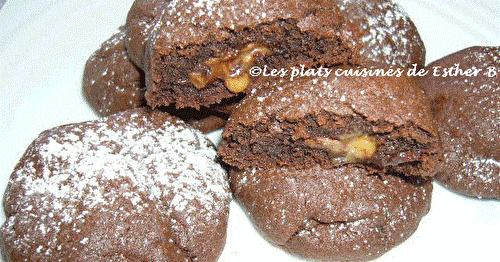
[136, 186]
[343, 214]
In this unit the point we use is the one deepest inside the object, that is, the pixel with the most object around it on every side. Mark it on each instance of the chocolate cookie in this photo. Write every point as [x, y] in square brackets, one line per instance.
[198, 53]
[467, 110]
[382, 122]
[111, 82]
[342, 214]
[136, 186]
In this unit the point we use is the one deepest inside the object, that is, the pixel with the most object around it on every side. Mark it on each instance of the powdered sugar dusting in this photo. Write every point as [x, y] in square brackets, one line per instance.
[71, 170]
[469, 121]
[488, 89]
[476, 174]
[388, 34]
[112, 79]
[482, 168]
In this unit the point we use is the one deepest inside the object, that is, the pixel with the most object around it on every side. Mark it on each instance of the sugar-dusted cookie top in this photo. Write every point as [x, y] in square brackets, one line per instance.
[111, 82]
[138, 185]
[467, 112]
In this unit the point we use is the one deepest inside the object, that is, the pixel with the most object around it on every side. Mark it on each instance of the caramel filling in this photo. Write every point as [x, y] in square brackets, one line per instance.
[233, 68]
[352, 148]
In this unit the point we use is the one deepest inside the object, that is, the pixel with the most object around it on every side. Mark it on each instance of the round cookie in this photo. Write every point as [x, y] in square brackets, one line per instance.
[136, 186]
[198, 53]
[342, 214]
[467, 110]
[111, 82]
[381, 122]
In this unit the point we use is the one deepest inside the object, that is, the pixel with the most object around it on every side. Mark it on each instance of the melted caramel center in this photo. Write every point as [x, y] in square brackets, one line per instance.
[233, 68]
[352, 148]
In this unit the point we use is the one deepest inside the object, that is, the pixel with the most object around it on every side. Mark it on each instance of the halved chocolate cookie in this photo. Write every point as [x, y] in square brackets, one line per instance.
[381, 122]
[112, 84]
[198, 53]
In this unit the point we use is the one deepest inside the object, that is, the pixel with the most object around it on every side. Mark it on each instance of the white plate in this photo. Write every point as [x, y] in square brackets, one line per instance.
[44, 46]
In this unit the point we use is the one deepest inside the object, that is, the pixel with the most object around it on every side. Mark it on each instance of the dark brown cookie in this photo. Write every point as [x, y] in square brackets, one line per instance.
[198, 53]
[467, 110]
[136, 186]
[342, 214]
[383, 122]
[111, 82]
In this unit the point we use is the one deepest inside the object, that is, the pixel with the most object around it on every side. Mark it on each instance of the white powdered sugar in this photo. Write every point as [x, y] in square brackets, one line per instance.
[115, 40]
[74, 169]
[487, 88]
[388, 35]
[469, 121]
[483, 170]
[111, 78]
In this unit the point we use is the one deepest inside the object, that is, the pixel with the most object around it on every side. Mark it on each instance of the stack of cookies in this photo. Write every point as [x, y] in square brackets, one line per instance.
[328, 167]
[197, 54]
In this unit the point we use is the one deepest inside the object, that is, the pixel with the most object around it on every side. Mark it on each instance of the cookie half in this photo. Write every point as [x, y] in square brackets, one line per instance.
[199, 53]
[112, 84]
[382, 122]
